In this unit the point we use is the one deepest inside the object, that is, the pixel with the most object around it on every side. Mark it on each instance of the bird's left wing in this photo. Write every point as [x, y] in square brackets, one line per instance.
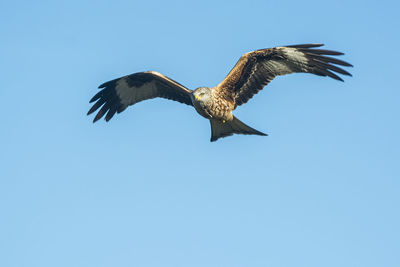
[256, 69]
[117, 95]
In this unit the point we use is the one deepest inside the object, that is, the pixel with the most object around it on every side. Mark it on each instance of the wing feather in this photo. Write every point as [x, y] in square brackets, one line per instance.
[116, 95]
[256, 69]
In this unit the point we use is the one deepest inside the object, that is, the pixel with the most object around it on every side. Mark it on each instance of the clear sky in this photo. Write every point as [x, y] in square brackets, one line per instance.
[148, 188]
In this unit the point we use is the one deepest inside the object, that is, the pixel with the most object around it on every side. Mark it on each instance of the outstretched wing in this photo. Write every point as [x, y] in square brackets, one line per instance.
[117, 95]
[256, 69]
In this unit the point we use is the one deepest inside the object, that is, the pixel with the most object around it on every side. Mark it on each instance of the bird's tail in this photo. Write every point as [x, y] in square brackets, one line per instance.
[221, 129]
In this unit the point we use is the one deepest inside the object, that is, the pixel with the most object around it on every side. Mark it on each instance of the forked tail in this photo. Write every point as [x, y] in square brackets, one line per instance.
[220, 129]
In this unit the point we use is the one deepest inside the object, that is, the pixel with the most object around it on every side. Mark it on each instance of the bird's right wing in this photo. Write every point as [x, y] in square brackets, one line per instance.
[118, 94]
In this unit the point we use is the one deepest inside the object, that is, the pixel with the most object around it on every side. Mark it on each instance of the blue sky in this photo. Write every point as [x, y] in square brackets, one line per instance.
[148, 188]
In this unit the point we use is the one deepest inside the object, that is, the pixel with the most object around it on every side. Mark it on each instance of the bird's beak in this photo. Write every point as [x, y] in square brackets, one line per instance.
[197, 97]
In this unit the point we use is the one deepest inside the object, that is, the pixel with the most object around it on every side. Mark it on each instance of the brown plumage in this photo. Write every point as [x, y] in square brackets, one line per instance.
[120, 93]
[256, 69]
[252, 72]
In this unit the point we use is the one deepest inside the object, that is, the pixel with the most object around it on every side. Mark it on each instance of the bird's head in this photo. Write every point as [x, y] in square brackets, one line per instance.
[202, 94]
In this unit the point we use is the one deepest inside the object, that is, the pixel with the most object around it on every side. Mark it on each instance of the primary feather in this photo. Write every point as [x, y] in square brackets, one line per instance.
[118, 94]
[256, 69]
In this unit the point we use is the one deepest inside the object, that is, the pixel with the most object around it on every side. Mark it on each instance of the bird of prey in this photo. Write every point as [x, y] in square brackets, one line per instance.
[252, 72]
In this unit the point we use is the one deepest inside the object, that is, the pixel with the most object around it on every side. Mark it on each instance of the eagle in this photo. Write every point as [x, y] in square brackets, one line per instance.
[252, 72]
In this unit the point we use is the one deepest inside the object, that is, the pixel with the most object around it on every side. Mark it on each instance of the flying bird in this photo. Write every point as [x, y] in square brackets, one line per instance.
[252, 72]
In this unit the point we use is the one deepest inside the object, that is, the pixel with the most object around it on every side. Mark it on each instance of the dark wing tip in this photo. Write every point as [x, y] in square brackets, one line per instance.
[96, 119]
[324, 65]
[96, 105]
[334, 76]
[89, 112]
[111, 83]
[105, 84]
[322, 52]
[305, 45]
[111, 113]
[96, 96]
[346, 64]
[107, 101]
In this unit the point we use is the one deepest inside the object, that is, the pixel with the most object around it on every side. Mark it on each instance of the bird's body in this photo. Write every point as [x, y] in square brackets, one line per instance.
[251, 73]
[209, 104]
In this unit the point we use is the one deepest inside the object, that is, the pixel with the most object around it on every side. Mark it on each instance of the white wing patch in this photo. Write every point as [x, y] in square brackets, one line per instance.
[277, 67]
[130, 95]
[296, 59]
[295, 55]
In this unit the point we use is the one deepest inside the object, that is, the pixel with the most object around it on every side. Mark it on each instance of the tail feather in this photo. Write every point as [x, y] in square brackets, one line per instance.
[220, 129]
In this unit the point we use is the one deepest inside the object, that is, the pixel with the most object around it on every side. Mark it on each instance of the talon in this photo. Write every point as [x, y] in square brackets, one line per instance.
[223, 121]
